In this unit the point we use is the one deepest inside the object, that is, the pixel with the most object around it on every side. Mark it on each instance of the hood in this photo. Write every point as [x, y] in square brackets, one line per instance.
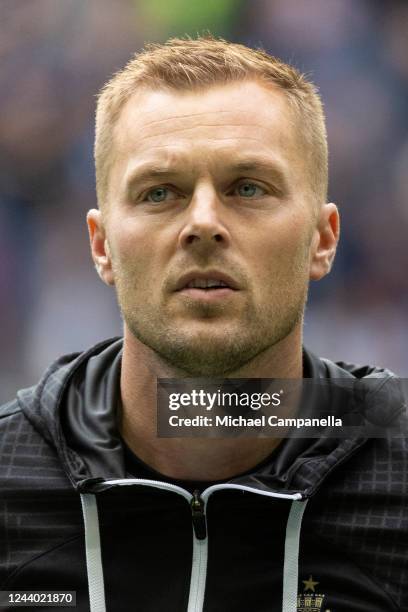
[74, 407]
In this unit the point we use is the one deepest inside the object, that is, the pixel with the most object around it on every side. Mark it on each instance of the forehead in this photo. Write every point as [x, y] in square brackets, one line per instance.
[207, 126]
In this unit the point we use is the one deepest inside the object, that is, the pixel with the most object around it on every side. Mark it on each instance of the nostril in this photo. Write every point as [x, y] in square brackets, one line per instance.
[190, 237]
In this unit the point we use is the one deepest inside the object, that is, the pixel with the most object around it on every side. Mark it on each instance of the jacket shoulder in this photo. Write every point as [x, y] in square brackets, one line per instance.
[39, 508]
[27, 460]
[9, 408]
[363, 510]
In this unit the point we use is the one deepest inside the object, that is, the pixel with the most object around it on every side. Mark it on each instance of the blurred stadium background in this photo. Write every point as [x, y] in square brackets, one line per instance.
[54, 56]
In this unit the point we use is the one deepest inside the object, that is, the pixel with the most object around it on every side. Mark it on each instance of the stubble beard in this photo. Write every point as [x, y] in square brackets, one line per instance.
[211, 351]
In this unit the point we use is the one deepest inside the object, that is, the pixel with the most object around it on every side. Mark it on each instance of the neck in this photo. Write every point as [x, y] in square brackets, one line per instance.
[194, 458]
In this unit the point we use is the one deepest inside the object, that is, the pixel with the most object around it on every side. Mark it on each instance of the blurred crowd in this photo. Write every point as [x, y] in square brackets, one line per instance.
[55, 55]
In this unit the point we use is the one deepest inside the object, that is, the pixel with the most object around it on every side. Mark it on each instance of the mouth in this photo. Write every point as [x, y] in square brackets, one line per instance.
[207, 286]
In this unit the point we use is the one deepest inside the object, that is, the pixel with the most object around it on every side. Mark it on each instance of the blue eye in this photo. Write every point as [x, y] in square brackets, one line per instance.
[250, 190]
[158, 194]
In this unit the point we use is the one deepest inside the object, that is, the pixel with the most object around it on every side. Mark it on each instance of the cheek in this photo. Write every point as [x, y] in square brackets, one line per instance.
[128, 250]
[136, 255]
[126, 237]
[281, 258]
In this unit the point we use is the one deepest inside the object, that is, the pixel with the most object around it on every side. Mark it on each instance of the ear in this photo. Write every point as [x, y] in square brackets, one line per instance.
[324, 243]
[99, 246]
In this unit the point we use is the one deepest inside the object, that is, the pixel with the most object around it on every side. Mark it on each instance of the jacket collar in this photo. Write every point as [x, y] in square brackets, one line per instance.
[75, 406]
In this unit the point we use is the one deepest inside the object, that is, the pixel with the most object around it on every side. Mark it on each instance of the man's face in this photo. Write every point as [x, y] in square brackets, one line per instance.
[209, 185]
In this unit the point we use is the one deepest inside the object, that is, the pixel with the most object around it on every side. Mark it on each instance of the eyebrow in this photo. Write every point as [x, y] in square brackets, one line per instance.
[265, 165]
[152, 170]
[146, 172]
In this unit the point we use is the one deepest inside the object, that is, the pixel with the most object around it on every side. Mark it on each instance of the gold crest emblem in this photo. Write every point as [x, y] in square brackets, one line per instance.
[311, 600]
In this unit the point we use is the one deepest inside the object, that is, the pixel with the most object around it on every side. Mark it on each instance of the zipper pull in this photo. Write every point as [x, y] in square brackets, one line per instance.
[198, 516]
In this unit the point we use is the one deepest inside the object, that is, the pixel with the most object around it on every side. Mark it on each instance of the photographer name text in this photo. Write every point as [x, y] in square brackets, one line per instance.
[260, 421]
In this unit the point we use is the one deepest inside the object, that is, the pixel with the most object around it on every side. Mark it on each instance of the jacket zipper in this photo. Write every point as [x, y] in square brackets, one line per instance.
[198, 516]
[200, 554]
[199, 522]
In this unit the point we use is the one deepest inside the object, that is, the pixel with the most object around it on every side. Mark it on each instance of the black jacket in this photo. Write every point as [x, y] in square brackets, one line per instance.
[322, 525]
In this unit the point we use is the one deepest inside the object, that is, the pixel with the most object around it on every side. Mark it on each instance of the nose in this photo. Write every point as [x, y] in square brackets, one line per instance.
[204, 227]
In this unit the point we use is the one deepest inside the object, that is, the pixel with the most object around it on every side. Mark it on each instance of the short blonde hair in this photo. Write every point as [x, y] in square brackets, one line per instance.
[192, 64]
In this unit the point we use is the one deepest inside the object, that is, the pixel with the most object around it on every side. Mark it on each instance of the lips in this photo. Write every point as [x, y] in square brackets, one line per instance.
[212, 279]
[205, 283]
